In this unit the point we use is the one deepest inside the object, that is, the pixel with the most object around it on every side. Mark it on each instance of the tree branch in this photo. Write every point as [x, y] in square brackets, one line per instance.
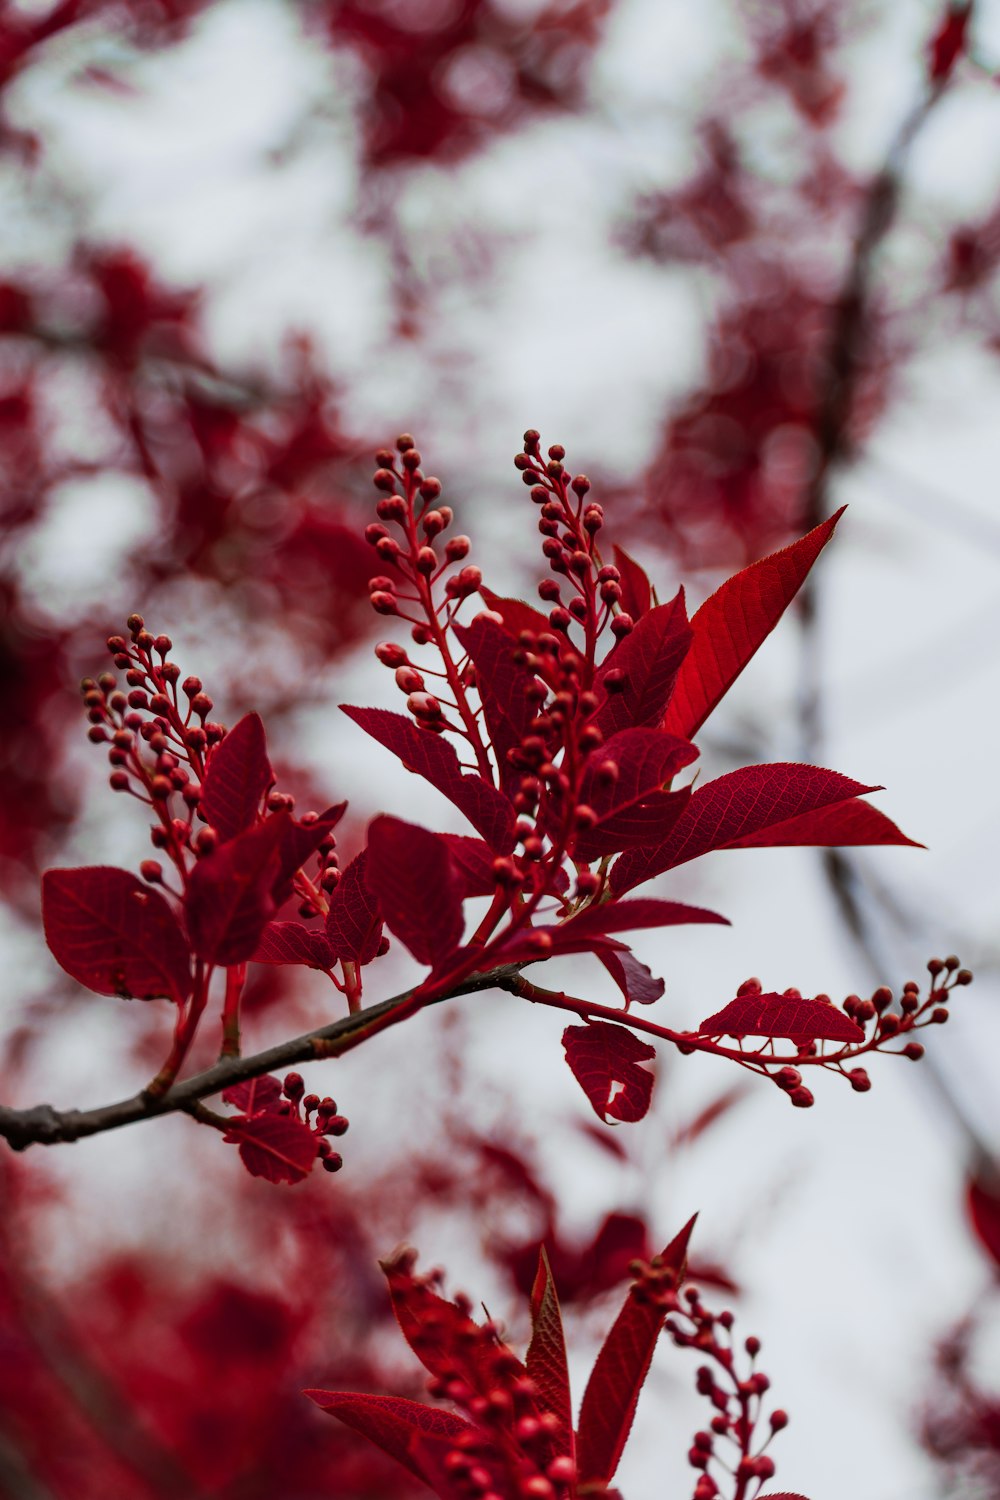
[44, 1125]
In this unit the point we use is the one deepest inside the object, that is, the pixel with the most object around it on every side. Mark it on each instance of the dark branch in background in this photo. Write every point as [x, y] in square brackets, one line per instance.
[845, 357]
[852, 893]
[45, 1126]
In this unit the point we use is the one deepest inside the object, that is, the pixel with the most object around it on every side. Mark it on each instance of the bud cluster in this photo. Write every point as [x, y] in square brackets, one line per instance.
[415, 564]
[581, 590]
[731, 1444]
[319, 1114]
[158, 733]
[160, 742]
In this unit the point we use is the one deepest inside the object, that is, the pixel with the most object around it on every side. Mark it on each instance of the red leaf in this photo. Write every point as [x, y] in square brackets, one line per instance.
[516, 615]
[632, 977]
[650, 658]
[430, 756]
[632, 808]
[842, 824]
[716, 1109]
[949, 42]
[293, 943]
[229, 898]
[501, 685]
[783, 1495]
[636, 592]
[605, 1061]
[473, 859]
[983, 1203]
[630, 916]
[546, 1358]
[115, 935]
[238, 775]
[756, 806]
[734, 622]
[276, 1147]
[621, 1367]
[255, 1096]
[392, 1423]
[588, 933]
[354, 922]
[417, 887]
[774, 1015]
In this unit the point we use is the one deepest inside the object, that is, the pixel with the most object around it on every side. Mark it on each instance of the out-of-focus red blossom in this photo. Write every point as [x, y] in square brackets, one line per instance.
[163, 1384]
[34, 713]
[960, 1425]
[794, 41]
[447, 74]
[973, 255]
[730, 475]
[251, 485]
[708, 215]
[148, 22]
[587, 1270]
[136, 315]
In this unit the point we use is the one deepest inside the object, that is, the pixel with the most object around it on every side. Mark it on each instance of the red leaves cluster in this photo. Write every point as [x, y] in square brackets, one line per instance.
[605, 797]
[519, 1417]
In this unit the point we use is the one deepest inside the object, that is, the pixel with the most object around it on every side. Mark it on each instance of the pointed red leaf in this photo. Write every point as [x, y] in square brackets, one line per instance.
[417, 887]
[501, 684]
[229, 898]
[650, 658]
[630, 802]
[293, 943]
[432, 757]
[630, 916]
[354, 922]
[637, 595]
[621, 1367]
[774, 1015]
[255, 1096]
[115, 935]
[473, 859]
[606, 1062]
[632, 977]
[734, 622]
[393, 1423]
[237, 776]
[755, 806]
[784, 1495]
[843, 825]
[276, 1147]
[589, 932]
[546, 1358]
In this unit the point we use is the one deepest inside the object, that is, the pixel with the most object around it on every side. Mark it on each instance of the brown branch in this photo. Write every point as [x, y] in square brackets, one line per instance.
[846, 349]
[44, 1125]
